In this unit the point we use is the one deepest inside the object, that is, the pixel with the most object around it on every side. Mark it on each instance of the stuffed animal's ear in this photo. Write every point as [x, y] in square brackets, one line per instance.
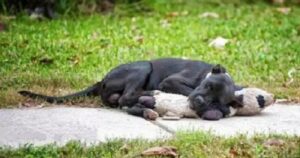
[239, 98]
[217, 69]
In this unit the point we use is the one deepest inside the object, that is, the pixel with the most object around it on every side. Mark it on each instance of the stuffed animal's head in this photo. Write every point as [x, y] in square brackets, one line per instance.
[251, 101]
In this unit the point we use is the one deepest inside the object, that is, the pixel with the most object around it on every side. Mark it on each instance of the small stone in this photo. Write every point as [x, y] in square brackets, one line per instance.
[209, 15]
[175, 118]
[218, 42]
[284, 10]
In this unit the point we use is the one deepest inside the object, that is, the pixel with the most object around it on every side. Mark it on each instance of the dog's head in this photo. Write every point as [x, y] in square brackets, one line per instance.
[216, 87]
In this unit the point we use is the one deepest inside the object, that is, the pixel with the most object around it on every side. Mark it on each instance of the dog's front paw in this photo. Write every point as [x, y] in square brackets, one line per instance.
[150, 114]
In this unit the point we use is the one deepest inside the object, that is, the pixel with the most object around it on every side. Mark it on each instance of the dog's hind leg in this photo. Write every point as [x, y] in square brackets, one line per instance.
[134, 88]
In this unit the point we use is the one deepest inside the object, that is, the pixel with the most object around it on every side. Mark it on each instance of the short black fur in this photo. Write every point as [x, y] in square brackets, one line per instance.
[130, 81]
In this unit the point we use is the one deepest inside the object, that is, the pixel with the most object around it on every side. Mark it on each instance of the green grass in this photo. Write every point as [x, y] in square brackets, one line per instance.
[188, 145]
[72, 52]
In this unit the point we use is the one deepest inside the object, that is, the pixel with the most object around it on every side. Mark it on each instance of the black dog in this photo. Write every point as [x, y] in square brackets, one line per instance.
[207, 100]
[123, 85]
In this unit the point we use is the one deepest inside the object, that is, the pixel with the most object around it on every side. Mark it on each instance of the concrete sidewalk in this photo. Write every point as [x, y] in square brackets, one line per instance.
[280, 119]
[61, 124]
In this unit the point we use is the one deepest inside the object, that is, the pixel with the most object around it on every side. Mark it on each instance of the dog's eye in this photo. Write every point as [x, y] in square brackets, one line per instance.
[103, 86]
[206, 86]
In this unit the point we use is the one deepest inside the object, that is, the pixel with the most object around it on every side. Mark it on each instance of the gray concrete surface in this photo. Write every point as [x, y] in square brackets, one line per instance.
[61, 124]
[280, 119]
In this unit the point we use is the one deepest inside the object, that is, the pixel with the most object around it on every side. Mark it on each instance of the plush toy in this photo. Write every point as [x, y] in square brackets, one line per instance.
[169, 104]
[176, 106]
[251, 101]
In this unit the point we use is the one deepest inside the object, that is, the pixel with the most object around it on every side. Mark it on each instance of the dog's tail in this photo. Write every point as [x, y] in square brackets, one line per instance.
[90, 91]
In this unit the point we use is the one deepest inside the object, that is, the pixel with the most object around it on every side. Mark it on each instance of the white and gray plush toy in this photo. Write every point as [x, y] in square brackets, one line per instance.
[175, 105]
[251, 102]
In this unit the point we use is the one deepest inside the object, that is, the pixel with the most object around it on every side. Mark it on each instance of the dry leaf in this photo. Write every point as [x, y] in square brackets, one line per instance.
[278, 1]
[74, 59]
[233, 152]
[284, 10]
[2, 27]
[290, 75]
[3, 17]
[106, 5]
[29, 103]
[139, 39]
[94, 35]
[218, 42]
[124, 149]
[273, 142]
[160, 151]
[209, 15]
[173, 14]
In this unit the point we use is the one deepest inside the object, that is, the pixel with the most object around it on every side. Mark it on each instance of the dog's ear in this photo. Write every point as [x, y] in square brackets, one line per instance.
[237, 102]
[217, 69]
